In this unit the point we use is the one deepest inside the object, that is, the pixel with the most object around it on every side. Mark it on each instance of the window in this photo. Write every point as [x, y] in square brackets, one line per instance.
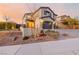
[30, 24]
[47, 25]
[47, 13]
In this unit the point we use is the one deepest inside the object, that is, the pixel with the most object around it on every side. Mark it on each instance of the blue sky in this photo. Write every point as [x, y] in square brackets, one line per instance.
[16, 11]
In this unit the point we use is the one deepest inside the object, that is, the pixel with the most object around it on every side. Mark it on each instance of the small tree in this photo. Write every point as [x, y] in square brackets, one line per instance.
[6, 18]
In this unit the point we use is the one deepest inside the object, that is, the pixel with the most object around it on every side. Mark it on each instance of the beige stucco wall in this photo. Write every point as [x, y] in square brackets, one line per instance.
[37, 16]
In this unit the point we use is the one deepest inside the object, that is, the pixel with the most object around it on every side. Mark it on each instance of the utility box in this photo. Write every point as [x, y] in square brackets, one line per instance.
[26, 32]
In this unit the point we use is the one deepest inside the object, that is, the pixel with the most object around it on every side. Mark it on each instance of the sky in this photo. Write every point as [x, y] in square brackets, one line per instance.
[15, 11]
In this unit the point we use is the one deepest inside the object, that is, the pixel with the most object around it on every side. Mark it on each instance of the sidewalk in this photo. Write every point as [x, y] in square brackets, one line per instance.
[62, 47]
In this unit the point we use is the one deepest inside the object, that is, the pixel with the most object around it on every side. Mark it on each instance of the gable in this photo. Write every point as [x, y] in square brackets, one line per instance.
[44, 12]
[44, 8]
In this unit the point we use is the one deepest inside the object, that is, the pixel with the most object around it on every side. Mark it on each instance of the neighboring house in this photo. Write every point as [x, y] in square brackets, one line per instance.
[43, 18]
[61, 19]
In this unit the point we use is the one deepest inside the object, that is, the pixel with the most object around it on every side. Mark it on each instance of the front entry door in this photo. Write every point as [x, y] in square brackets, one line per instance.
[47, 25]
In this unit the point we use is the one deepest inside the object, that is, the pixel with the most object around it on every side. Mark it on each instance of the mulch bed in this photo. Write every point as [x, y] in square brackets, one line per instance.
[15, 38]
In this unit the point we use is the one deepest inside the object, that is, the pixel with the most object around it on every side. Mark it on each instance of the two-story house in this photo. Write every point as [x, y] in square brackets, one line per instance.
[42, 19]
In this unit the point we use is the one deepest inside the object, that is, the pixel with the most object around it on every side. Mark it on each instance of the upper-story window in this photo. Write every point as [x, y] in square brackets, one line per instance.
[47, 13]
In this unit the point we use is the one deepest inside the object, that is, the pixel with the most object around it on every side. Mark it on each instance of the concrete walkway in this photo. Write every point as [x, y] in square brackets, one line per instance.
[62, 47]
